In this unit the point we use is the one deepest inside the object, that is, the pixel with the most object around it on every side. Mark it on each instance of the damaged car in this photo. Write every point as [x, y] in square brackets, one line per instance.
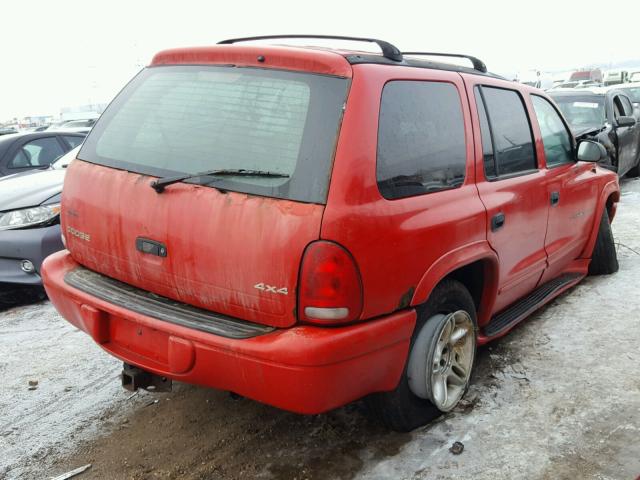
[606, 116]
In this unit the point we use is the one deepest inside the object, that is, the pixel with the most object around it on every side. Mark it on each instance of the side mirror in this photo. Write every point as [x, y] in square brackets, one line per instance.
[589, 151]
[626, 121]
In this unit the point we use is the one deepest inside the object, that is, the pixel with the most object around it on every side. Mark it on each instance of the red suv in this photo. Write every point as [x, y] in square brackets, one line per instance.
[307, 226]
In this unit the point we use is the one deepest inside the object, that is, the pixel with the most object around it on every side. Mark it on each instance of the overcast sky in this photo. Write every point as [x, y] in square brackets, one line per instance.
[64, 52]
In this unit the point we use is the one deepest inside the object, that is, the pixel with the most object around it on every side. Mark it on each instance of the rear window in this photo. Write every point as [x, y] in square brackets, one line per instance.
[175, 120]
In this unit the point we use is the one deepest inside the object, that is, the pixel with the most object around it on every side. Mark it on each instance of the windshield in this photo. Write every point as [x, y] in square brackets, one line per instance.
[582, 111]
[64, 161]
[177, 120]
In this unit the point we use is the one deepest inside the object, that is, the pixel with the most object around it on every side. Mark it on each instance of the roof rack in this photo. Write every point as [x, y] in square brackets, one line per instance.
[477, 63]
[388, 50]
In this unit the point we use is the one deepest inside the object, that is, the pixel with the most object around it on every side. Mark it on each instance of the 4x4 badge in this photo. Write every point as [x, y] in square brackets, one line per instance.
[271, 289]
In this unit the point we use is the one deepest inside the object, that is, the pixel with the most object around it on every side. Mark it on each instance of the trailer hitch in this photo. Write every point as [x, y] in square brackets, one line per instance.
[134, 378]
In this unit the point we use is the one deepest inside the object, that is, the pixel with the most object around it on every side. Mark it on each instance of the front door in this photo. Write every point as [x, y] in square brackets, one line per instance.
[571, 192]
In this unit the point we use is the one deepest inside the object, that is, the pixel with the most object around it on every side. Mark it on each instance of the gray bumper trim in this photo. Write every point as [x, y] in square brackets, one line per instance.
[161, 308]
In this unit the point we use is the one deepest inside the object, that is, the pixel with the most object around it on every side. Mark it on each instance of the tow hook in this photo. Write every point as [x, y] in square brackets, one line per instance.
[134, 378]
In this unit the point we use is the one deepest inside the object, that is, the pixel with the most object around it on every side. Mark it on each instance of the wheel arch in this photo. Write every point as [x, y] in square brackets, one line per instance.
[475, 266]
[608, 199]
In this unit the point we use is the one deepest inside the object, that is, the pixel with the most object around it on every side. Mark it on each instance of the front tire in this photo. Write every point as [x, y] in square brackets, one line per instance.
[439, 364]
[604, 259]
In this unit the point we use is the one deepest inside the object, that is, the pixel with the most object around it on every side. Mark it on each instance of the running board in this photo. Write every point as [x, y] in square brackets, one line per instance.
[519, 311]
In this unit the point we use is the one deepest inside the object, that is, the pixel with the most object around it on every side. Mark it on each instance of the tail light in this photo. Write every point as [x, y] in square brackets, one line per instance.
[330, 290]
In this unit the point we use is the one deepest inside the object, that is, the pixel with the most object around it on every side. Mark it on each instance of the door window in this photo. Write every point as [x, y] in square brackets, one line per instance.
[37, 153]
[557, 142]
[626, 103]
[421, 142]
[618, 108]
[510, 132]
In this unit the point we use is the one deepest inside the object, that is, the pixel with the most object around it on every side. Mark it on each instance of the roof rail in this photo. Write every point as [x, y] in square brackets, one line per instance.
[388, 50]
[477, 63]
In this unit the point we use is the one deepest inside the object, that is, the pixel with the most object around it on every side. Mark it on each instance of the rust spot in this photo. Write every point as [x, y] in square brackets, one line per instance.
[405, 300]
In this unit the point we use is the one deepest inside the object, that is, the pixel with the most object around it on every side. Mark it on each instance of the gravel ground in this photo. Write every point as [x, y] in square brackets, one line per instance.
[558, 398]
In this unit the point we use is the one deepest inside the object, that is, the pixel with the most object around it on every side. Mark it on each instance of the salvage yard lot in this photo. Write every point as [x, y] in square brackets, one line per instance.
[559, 397]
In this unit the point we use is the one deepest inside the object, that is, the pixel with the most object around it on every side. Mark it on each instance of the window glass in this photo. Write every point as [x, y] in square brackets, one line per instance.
[512, 140]
[487, 144]
[73, 141]
[626, 103]
[618, 109]
[555, 137]
[421, 143]
[174, 120]
[583, 112]
[634, 93]
[37, 153]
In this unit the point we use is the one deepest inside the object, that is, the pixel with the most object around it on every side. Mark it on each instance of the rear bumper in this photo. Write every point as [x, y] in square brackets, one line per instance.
[33, 244]
[303, 369]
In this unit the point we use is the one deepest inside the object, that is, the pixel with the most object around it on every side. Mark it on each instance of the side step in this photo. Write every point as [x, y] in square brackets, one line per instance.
[518, 311]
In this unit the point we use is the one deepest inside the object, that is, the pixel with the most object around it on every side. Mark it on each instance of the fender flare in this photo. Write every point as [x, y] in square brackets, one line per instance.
[609, 189]
[458, 258]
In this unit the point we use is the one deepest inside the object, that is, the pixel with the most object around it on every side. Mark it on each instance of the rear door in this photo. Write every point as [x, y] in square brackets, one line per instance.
[509, 183]
[571, 191]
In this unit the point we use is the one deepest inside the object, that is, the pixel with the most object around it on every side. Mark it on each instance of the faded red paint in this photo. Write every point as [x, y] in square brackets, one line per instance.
[221, 245]
[305, 369]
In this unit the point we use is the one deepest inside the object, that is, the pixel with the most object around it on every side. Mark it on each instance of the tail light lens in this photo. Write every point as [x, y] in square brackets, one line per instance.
[330, 290]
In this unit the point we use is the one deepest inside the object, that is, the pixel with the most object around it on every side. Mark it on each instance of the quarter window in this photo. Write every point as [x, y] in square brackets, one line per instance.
[421, 142]
[555, 137]
[487, 144]
[73, 141]
[510, 132]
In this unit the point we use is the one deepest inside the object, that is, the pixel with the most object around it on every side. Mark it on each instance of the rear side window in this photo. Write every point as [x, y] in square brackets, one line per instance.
[421, 143]
[510, 133]
[555, 137]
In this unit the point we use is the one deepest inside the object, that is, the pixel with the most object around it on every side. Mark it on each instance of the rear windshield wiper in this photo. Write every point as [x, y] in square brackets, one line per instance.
[160, 184]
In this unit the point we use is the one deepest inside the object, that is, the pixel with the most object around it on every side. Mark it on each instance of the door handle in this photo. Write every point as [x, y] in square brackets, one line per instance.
[497, 221]
[555, 198]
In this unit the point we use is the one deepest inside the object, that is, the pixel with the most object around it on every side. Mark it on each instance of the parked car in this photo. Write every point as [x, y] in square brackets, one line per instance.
[320, 225]
[607, 116]
[80, 126]
[634, 77]
[30, 220]
[587, 74]
[27, 151]
[615, 77]
[7, 130]
[576, 84]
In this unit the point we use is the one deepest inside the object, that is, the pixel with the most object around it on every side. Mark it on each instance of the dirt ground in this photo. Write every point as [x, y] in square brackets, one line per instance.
[558, 398]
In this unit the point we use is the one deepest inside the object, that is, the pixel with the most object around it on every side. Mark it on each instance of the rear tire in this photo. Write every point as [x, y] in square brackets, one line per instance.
[604, 259]
[402, 409]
